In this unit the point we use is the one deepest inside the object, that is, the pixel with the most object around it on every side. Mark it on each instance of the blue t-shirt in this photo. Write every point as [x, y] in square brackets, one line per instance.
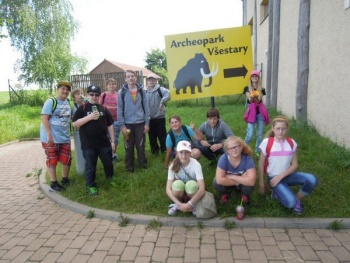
[59, 121]
[245, 164]
[178, 138]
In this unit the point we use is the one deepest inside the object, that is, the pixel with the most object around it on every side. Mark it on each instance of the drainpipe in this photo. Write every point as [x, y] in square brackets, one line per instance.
[275, 51]
[255, 34]
[303, 60]
[244, 12]
[269, 56]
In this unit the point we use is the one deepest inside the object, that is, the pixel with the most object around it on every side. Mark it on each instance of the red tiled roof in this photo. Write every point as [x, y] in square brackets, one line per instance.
[146, 72]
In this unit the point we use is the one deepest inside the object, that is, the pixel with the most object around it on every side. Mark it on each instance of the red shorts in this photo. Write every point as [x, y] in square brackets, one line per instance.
[58, 152]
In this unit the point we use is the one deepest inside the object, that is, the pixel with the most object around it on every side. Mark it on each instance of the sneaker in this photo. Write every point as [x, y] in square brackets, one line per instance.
[173, 209]
[56, 187]
[246, 199]
[298, 208]
[274, 196]
[92, 190]
[224, 199]
[65, 182]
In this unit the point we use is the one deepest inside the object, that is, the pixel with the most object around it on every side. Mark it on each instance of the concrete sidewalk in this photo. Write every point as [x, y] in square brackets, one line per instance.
[39, 226]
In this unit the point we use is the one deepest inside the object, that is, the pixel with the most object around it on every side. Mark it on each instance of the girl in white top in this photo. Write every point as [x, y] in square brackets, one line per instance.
[282, 167]
[185, 185]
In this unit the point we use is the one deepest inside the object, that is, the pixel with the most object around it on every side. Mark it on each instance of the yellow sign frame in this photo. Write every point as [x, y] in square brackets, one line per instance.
[223, 54]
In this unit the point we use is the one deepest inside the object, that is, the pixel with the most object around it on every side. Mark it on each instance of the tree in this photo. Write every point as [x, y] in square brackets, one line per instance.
[156, 62]
[41, 30]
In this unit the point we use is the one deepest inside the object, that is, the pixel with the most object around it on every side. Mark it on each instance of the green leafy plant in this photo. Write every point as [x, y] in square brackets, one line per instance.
[229, 224]
[336, 225]
[90, 214]
[200, 225]
[154, 224]
[124, 220]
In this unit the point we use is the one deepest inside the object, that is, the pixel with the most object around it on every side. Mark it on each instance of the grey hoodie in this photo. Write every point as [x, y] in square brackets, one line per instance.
[133, 112]
[156, 104]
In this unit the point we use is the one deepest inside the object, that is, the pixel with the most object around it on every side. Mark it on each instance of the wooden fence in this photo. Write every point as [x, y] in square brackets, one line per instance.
[83, 81]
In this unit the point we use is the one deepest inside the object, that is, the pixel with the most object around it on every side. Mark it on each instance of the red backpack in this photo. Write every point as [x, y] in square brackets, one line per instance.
[268, 150]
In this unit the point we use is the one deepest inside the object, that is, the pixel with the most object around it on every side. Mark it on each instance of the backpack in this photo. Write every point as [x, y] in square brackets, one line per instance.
[71, 104]
[103, 97]
[172, 136]
[123, 99]
[268, 150]
[54, 104]
[160, 94]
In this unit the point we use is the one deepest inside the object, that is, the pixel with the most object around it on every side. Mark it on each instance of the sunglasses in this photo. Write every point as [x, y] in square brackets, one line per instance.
[94, 95]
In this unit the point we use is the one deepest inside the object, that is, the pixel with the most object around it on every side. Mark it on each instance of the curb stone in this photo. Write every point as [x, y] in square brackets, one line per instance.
[284, 223]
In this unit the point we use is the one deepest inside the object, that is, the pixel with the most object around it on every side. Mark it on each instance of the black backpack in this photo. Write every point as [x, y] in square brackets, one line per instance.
[172, 136]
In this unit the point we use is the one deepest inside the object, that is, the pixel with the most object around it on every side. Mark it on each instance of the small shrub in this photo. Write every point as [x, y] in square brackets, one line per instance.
[336, 225]
[124, 220]
[200, 225]
[229, 225]
[90, 214]
[154, 224]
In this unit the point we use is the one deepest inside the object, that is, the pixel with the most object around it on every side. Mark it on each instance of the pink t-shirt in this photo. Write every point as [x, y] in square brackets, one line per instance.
[111, 102]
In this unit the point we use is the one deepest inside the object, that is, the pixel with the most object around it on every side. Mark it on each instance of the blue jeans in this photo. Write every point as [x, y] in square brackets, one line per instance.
[286, 195]
[116, 132]
[91, 156]
[259, 132]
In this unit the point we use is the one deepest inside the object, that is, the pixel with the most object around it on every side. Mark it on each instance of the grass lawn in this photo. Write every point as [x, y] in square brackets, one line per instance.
[144, 191]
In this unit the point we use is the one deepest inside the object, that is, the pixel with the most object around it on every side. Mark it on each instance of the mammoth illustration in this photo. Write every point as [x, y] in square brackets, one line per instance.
[192, 74]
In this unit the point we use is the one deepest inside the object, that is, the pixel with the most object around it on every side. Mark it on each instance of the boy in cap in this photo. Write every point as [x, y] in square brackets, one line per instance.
[157, 96]
[95, 123]
[55, 135]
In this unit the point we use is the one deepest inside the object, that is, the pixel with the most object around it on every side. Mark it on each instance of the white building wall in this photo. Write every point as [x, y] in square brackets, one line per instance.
[329, 64]
[329, 77]
[288, 60]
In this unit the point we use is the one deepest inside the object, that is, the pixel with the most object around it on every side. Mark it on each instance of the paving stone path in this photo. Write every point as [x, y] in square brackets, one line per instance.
[35, 229]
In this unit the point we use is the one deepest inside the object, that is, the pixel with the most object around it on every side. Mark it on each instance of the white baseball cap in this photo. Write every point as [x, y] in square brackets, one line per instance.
[183, 146]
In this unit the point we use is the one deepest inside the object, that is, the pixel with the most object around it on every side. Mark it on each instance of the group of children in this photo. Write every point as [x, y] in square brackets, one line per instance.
[236, 170]
[101, 118]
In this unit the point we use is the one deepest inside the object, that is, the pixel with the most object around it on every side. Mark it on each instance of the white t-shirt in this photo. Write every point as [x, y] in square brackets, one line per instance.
[193, 169]
[281, 156]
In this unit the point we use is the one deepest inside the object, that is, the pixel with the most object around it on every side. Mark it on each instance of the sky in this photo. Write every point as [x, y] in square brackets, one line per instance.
[123, 31]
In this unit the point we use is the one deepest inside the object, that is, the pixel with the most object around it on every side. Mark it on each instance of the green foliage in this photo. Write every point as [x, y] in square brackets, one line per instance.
[229, 224]
[200, 225]
[21, 96]
[90, 214]
[124, 220]
[156, 62]
[42, 31]
[154, 224]
[336, 225]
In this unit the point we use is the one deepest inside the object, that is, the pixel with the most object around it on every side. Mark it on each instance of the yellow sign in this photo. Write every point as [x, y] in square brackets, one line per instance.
[209, 63]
